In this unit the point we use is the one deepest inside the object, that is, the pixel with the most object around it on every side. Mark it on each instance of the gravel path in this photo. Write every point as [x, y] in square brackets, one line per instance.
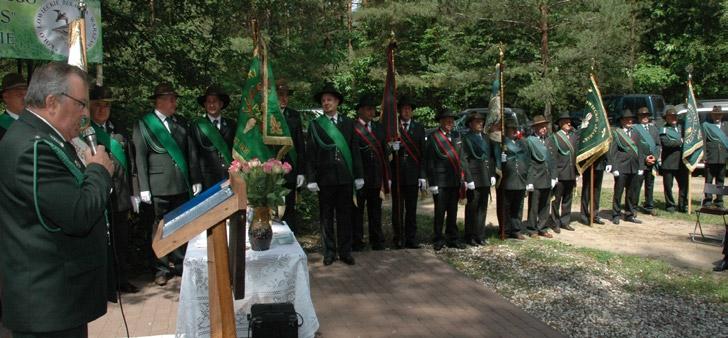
[582, 297]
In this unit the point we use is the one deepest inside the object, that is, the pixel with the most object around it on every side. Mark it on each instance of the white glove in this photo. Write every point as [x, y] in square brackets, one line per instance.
[394, 145]
[422, 183]
[313, 187]
[615, 173]
[299, 181]
[389, 184]
[504, 158]
[553, 182]
[492, 181]
[196, 189]
[358, 183]
[470, 185]
[608, 168]
[135, 200]
[640, 172]
[529, 187]
[146, 197]
[434, 190]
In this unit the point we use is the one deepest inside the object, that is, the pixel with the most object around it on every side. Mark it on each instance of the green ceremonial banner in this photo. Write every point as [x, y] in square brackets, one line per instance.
[37, 29]
[693, 139]
[594, 133]
[262, 128]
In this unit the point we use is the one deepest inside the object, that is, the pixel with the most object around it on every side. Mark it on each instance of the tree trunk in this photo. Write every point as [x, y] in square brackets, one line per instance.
[632, 48]
[545, 58]
[349, 27]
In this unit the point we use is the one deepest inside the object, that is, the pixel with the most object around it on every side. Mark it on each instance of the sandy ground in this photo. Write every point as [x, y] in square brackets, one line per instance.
[662, 238]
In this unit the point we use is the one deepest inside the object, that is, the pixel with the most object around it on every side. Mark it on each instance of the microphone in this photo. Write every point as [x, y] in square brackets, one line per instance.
[89, 135]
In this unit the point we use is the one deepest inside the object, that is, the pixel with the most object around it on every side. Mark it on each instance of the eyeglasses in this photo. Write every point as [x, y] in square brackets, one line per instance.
[81, 103]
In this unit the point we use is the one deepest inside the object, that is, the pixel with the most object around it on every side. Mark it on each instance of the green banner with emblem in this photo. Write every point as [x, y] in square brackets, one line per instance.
[693, 137]
[594, 133]
[38, 29]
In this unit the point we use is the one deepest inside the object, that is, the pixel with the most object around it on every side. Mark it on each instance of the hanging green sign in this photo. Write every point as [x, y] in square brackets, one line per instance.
[38, 29]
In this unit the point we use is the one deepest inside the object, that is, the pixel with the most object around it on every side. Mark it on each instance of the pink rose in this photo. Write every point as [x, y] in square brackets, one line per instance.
[287, 168]
[268, 167]
[254, 163]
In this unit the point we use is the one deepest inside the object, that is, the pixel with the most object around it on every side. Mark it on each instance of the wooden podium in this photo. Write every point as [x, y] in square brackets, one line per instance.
[222, 316]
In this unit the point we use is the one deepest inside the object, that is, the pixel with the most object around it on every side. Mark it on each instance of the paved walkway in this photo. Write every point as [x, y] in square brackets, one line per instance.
[404, 293]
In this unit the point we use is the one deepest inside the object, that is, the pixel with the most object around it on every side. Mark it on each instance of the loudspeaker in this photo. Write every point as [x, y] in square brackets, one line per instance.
[275, 320]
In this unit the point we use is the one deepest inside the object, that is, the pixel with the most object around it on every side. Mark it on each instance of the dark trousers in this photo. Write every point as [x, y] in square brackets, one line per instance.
[289, 216]
[475, 212]
[120, 243]
[446, 203]
[714, 172]
[624, 184]
[681, 176]
[163, 205]
[76, 332]
[538, 210]
[368, 198]
[336, 201]
[648, 177]
[513, 200]
[561, 205]
[404, 207]
[586, 191]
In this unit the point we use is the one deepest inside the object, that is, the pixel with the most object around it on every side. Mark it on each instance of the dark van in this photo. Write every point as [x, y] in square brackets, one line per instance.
[615, 104]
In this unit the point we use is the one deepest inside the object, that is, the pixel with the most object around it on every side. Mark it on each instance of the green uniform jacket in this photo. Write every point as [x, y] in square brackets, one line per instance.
[51, 280]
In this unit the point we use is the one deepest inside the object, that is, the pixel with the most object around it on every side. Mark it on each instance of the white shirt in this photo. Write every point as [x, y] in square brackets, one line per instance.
[335, 117]
[215, 121]
[50, 125]
[13, 115]
[163, 118]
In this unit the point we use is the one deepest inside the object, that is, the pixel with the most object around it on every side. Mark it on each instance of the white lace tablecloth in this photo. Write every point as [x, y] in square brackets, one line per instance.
[277, 275]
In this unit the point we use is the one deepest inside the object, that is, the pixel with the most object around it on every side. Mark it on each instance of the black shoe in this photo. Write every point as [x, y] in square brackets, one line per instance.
[456, 245]
[615, 220]
[670, 209]
[584, 221]
[328, 260]
[472, 242]
[567, 227]
[347, 259]
[480, 242]
[396, 244]
[722, 266]
[556, 229]
[128, 288]
[599, 220]
[633, 220]
[707, 204]
[377, 247]
[412, 246]
[438, 246]
[161, 280]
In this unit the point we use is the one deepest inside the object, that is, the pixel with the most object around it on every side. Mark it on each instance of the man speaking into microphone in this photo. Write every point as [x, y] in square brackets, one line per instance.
[53, 229]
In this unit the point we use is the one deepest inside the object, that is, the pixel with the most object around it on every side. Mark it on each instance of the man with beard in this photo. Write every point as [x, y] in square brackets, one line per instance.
[541, 178]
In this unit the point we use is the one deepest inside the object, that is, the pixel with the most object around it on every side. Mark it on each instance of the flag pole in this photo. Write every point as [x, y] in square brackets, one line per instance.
[398, 205]
[499, 191]
[591, 171]
[690, 172]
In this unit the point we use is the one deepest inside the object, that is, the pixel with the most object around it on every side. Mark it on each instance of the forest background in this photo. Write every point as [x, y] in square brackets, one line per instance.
[446, 52]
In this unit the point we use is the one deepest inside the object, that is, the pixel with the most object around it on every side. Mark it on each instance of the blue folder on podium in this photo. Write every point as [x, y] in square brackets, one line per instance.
[194, 208]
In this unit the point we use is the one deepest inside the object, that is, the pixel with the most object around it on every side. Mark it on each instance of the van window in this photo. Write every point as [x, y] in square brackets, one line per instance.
[659, 106]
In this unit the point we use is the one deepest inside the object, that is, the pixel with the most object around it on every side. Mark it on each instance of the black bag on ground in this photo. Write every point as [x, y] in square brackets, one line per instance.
[275, 320]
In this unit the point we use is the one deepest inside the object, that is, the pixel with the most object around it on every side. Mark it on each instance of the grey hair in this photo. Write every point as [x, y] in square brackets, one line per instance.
[50, 79]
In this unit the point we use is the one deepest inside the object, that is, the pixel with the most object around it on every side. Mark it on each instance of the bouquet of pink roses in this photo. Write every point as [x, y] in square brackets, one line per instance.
[264, 181]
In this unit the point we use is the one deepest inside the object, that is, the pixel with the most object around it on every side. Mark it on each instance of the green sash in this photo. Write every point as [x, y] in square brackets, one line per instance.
[476, 145]
[715, 134]
[671, 133]
[624, 142]
[6, 121]
[116, 149]
[562, 135]
[646, 138]
[212, 134]
[163, 136]
[538, 149]
[335, 135]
